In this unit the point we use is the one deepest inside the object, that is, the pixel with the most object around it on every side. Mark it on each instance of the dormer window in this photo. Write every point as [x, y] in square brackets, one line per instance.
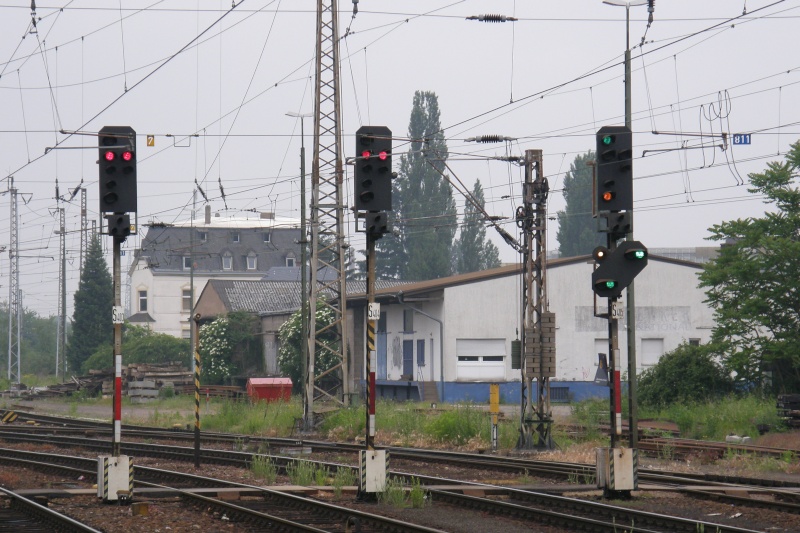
[202, 235]
[227, 262]
[187, 262]
[290, 260]
[252, 261]
[235, 236]
[267, 237]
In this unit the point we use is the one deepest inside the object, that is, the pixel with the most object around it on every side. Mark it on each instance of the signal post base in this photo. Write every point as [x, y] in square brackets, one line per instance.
[115, 478]
[373, 473]
[617, 471]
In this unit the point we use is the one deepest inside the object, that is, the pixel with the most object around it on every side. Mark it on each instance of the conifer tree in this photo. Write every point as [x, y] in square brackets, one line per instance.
[91, 319]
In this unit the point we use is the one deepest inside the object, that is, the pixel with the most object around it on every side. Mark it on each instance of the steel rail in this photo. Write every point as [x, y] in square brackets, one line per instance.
[53, 520]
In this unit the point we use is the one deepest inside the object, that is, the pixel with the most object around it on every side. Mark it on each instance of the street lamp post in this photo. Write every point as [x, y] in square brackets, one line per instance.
[304, 319]
[633, 416]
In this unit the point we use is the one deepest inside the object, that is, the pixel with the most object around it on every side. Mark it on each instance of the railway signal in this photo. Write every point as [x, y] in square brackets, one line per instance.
[373, 169]
[617, 269]
[117, 169]
[614, 169]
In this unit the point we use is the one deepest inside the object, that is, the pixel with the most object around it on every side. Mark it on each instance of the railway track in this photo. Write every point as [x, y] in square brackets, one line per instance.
[18, 513]
[720, 488]
[263, 504]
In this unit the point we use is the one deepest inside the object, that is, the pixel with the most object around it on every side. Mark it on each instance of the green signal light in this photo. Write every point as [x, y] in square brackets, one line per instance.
[639, 254]
[607, 139]
[610, 284]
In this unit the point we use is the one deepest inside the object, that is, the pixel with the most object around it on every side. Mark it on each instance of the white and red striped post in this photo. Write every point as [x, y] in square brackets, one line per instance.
[371, 353]
[617, 394]
[117, 436]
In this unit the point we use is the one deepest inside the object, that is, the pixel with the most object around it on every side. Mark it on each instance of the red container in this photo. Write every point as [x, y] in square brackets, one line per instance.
[269, 389]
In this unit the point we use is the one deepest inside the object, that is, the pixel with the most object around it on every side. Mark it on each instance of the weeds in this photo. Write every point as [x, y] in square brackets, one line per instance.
[345, 476]
[417, 495]
[264, 468]
[301, 472]
[393, 493]
[666, 451]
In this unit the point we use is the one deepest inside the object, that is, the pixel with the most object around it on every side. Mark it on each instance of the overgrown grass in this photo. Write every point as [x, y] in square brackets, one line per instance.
[716, 420]
[264, 419]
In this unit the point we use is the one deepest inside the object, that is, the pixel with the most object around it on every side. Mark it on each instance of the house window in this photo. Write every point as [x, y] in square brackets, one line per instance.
[203, 235]
[251, 261]
[267, 237]
[408, 320]
[186, 333]
[142, 301]
[235, 236]
[227, 262]
[187, 262]
[186, 300]
[694, 342]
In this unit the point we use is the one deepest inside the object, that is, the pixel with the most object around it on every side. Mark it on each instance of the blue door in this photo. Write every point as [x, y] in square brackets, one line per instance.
[408, 359]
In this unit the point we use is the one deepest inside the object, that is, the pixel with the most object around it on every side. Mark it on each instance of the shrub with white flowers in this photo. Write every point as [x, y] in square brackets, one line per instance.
[215, 352]
[290, 338]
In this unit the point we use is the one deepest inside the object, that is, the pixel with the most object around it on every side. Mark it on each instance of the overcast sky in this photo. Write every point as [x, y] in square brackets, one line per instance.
[176, 69]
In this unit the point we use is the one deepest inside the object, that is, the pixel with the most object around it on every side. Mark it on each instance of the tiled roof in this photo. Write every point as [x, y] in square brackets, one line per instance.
[274, 297]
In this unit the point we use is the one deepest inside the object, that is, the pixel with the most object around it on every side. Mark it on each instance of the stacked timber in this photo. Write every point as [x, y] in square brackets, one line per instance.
[162, 373]
[789, 409]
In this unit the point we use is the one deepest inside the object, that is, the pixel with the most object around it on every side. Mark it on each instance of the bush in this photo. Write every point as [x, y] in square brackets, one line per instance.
[686, 374]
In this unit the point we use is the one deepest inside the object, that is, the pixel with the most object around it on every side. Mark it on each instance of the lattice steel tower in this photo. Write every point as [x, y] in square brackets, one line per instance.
[327, 287]
[14, 296]
[538, 340]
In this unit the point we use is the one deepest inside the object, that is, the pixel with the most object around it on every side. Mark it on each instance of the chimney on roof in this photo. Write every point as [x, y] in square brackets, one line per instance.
[267, 216]
[208, 214]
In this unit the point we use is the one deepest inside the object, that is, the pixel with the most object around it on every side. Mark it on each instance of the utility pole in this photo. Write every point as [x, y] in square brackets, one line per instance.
[61, 356]
[538, 338]
[14, 294]
[327, 217]
[304, 318]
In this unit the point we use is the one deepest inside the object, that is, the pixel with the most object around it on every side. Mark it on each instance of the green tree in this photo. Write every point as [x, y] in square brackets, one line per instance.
[577, 230]
[37, 342]
[141, 345]
[289, 351]
[472, 251]
[686, 374]
[753, 284]
[424, 211]
[91, 320]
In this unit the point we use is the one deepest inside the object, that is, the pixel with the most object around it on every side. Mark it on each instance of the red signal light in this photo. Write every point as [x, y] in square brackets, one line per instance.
[383, 155]
[109, 155]
[127, 156]
[608, 196]
[366, 154]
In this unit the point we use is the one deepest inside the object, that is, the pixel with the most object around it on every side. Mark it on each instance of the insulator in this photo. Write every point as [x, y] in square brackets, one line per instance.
[489, 139]
[492, 18]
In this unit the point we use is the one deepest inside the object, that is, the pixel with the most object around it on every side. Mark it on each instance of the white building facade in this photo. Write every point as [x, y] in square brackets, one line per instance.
[458, 331]
[175, 259]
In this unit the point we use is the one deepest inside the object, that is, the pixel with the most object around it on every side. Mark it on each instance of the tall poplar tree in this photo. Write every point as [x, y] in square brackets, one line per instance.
[424, 211]
[473, 251]
[91, 320]
[577, 230]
